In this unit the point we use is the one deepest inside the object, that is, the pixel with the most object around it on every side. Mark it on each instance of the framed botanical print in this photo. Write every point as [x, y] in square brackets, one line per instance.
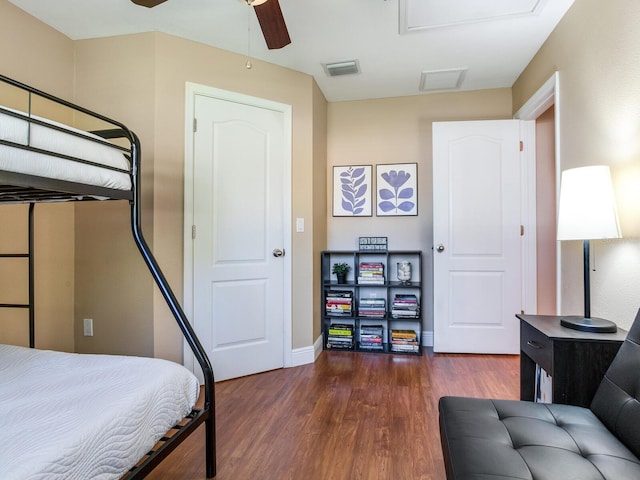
[352, 191]
[397, 189]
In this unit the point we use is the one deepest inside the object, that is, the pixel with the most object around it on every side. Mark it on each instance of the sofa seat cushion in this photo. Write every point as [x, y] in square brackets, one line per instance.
[486, 439]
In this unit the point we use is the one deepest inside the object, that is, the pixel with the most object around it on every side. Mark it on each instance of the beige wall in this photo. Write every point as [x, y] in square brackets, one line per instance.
[140, 79]
[114, 77]
[319, 224]
[595, 50]
[35, 54]
[398, 130]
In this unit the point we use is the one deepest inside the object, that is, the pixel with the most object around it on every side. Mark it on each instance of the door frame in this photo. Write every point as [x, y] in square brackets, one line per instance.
[546, 96]
[191, 91]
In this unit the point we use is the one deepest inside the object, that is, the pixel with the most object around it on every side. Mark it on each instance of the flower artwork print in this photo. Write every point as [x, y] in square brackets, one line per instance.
[397, 189]
[352, 191]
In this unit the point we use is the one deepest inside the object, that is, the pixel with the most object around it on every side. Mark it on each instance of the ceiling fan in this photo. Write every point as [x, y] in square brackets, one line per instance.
[269, 14]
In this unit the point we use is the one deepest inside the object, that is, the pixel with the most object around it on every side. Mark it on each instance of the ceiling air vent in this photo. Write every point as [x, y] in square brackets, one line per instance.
[337, 69]
[442, 79]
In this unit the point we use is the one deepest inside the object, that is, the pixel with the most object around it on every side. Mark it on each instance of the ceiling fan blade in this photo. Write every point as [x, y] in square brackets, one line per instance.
[148, 3]
[272, 24]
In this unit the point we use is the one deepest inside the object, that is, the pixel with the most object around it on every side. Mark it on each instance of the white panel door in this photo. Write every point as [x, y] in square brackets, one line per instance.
[238, 202]
[477, 237]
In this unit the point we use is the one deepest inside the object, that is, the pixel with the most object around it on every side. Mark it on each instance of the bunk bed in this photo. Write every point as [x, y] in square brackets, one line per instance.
[46, 161]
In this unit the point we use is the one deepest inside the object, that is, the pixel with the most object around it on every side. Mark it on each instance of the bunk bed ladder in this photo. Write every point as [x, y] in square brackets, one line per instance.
[30, 305]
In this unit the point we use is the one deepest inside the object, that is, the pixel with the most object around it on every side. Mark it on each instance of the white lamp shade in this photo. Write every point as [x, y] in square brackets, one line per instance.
[587, 208]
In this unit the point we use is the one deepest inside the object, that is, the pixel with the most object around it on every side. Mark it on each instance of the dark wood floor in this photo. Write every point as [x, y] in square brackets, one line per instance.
[348, 416]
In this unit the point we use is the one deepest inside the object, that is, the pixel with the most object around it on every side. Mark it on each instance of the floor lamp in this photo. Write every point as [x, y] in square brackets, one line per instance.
[587, 211]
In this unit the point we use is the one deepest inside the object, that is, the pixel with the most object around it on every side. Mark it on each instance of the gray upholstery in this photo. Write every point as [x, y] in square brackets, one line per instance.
[485, 439]
[617, 400]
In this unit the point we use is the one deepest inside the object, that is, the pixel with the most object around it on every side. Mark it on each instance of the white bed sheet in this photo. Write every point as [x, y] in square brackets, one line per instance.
[79, 416]
[21, 161]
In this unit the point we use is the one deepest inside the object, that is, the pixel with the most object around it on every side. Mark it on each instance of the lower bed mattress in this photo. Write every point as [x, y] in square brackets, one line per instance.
[80, 416]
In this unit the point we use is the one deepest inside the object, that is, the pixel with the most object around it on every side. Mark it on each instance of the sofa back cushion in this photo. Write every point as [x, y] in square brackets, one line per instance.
[617, 400]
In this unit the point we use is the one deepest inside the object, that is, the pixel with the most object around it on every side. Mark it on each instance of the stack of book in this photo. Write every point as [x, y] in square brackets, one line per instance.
[405, 306]
[340, 336]
[371, 273]
[371, 337]
[404, 341]
[338, 302]
[372, 307]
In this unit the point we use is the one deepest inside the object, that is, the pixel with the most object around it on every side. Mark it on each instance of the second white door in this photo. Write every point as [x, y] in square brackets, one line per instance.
[477, 236]
[239, 244]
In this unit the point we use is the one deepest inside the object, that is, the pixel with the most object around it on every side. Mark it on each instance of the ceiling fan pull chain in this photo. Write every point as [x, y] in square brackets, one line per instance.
[248, 63]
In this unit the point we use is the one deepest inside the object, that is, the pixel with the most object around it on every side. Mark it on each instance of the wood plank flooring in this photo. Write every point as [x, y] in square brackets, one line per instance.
[348, 416]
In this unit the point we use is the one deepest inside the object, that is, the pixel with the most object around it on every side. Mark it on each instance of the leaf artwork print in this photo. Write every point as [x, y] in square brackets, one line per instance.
[354, 189]
[395, 198]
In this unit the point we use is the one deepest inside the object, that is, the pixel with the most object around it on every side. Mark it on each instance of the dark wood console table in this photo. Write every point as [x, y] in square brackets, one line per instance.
[576, 360]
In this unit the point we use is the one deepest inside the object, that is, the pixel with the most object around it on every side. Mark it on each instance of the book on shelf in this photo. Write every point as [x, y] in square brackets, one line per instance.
[372, 329]
[404, 314]
[338, 293]
[338, 302]
[371, 273]
[340, 346]
[340, 335]
[405, 348]
[403, 334]
[340, 332]
[371, 337]
[404, 341]
[372, 307]
[405, 306]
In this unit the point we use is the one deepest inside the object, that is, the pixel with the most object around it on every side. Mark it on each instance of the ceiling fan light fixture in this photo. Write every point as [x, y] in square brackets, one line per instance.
[338, 69]
[253, 3]
[148, 3]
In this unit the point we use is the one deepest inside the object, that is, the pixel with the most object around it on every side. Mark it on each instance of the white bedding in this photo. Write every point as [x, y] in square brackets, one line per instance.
[21, 161]
[77, 416]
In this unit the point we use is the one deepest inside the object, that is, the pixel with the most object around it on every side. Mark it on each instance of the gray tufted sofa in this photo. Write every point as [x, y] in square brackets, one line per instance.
[486, 439]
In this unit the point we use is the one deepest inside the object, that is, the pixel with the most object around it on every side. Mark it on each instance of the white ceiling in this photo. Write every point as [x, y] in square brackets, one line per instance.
[394, 41]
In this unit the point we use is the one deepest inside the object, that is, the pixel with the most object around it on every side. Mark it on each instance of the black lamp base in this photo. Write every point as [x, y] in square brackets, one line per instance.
[593, 325]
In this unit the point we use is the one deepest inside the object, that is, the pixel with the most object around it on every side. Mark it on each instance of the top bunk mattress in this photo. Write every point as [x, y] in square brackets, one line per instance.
[23, 132]
[80, 416]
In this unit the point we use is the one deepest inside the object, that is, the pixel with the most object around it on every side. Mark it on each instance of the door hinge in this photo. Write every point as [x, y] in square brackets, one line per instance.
[193, 232]
[522, 230]
[521, 146]
[195, 125]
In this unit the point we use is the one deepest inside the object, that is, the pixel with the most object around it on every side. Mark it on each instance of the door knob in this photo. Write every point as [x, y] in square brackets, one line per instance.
[278, 253]
[440, 248]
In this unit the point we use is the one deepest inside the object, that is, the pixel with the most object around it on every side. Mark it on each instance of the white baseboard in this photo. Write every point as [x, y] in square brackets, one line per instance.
[306, 355]
[427, 339]
[317, 346]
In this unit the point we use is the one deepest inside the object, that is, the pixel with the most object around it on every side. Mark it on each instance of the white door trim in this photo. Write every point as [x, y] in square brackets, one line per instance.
[528, 216]
[191, 90]
[548, 94]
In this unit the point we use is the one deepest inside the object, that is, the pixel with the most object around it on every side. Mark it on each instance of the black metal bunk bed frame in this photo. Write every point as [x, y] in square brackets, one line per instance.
[24, 188]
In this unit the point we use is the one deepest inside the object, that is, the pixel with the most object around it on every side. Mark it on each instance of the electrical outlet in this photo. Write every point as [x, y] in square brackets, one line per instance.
[88, 327]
